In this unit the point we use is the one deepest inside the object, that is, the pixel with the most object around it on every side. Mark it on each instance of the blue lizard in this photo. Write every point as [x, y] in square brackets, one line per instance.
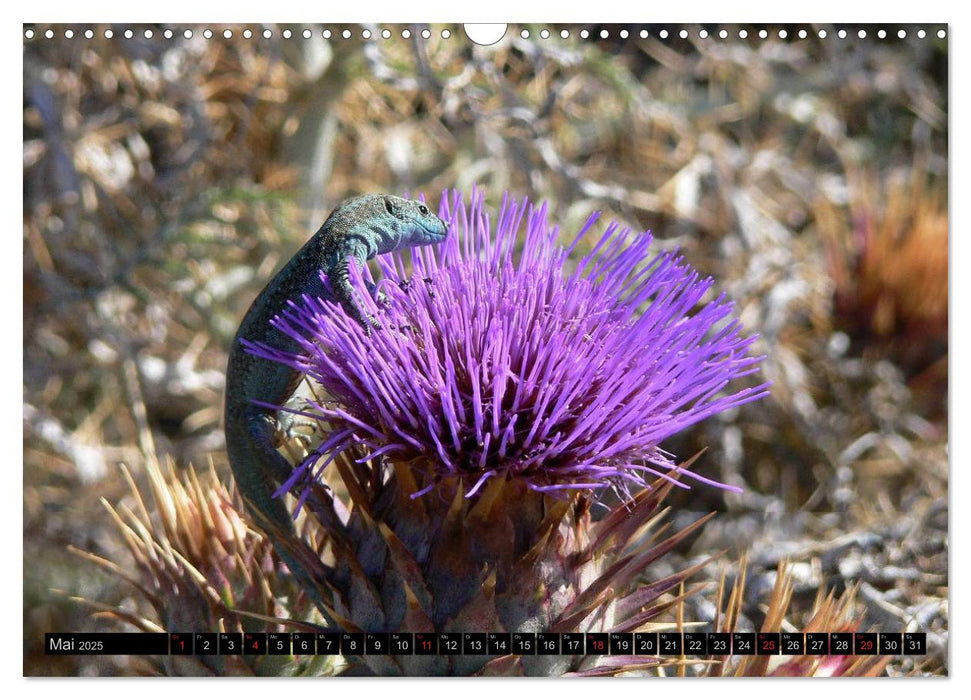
[355, 232]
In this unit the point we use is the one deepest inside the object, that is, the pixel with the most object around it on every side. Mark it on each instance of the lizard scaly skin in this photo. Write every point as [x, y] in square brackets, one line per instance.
[355, 232]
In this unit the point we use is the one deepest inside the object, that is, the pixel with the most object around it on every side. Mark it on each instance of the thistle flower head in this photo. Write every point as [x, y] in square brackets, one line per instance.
[502, 358]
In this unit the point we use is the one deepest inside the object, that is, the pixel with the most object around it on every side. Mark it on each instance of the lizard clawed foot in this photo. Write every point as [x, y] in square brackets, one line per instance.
[380, 298]
[288, 429]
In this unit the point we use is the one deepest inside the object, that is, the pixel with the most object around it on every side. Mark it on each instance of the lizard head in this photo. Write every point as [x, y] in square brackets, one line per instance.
[418, 224]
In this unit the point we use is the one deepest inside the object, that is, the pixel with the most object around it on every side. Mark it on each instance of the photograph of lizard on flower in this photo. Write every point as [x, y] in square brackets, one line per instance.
[370, 330]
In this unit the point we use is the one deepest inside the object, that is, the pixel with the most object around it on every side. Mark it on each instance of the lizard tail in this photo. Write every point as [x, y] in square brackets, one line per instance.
[249, 455]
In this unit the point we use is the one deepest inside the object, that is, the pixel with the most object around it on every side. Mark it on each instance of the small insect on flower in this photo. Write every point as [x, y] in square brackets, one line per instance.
[514, 361]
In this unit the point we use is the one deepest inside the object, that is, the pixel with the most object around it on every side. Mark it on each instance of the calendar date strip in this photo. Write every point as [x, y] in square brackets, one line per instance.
[680, 644]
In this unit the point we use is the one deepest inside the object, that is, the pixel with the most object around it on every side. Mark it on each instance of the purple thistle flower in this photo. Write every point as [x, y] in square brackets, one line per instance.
[498, 358]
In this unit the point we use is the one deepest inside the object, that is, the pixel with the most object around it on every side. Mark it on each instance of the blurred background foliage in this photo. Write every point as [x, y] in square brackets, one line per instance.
[165, 180]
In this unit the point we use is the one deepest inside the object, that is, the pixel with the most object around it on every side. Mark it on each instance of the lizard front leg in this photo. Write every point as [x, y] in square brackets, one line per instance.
[348, 297]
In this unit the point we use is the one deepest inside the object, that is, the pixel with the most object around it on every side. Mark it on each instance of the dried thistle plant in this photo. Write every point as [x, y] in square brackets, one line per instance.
[830, 614]
[888, 257]
[201, 568]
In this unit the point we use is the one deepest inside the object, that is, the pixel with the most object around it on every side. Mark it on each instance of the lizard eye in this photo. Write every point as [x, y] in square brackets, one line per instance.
[422, 209]
[387, 205]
